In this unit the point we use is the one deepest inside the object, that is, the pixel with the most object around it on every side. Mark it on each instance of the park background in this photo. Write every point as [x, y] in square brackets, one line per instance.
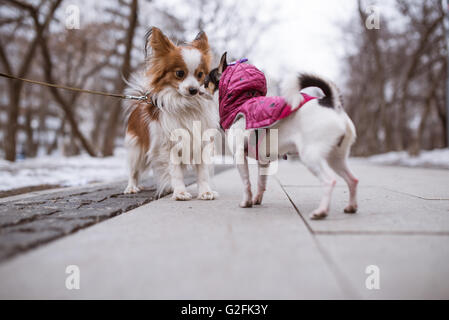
[392, 76]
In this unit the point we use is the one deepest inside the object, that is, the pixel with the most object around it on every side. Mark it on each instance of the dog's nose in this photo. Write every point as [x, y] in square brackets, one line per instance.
[193, 91]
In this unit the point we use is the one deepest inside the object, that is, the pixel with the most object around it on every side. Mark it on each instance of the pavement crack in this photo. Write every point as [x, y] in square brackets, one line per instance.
[27, 219]
[415, 196]
[383, 233]
[296, 208]
[85, 203]
[340, 277]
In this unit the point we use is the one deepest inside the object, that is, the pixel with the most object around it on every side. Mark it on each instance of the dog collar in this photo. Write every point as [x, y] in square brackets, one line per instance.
[238, 61]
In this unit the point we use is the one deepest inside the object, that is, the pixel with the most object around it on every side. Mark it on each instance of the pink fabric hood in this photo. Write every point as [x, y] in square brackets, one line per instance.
[242, 92]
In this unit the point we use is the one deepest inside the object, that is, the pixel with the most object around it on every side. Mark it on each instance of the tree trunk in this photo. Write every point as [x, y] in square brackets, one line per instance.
[13, 115]
[16, 87]
[31, 145]
[116, 110]
[65, 105]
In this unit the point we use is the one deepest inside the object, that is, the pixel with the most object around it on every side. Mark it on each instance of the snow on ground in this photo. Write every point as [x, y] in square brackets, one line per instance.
[438, 158]
[68, 171]
[63, 171]
[81, 170]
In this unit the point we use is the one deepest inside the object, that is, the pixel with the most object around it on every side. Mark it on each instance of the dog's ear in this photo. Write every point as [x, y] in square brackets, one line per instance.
[148, 48]
[223, 63]
[158, 42]
[201, 42]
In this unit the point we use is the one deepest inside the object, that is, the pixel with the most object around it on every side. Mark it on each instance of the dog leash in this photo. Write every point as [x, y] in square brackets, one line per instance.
[145, 98]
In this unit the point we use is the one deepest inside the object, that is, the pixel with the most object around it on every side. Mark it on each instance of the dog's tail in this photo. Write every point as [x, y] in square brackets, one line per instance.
[291, 90]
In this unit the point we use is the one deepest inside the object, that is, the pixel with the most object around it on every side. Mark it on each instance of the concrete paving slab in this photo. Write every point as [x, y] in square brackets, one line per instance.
[410, 267]
[380, 211]
[419, 182]
[390, 199]
[195, 250]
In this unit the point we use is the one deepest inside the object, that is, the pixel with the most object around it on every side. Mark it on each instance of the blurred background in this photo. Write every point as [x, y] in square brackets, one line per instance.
[388, 57]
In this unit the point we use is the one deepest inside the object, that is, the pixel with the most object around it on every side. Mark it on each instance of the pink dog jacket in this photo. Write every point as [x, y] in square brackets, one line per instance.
[242, 92]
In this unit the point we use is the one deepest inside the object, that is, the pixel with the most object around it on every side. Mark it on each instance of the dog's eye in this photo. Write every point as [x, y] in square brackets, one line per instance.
[200, 75]
[180, 73]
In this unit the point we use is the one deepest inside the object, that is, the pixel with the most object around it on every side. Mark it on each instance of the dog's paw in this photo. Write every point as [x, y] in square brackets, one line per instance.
[208, 195]
[318, 214]
[258, 199]
[181, 196]
[351, 208]
[246, 203]
[131, 189]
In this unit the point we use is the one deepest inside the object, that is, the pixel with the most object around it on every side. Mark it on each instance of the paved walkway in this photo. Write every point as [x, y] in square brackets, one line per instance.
[32, 219]
[214, 250]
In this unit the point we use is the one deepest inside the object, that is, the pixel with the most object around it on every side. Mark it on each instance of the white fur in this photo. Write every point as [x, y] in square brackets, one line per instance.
[177, 112]
[290, 92]
[192, 59]
[136, 161]
[314, 132]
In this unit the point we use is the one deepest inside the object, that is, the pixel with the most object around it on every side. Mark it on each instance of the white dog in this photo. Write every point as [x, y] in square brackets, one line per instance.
[319, 131]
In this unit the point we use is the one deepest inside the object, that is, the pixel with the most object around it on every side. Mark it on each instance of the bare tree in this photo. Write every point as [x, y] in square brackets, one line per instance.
[65, 104]
[120, 85]
[395, 80]
[15, 87]
[99, 56]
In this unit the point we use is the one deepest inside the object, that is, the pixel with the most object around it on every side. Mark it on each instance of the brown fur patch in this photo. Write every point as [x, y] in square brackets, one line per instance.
[139, 120]
[163, 69]
[211, 88]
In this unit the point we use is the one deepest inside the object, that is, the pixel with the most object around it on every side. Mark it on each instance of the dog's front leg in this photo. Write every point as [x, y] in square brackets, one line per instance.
[236, 139]
[204, 190]
[177, 181]
[242, 165]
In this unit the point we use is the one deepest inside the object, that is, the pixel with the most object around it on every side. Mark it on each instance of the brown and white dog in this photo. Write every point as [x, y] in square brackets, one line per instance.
[173, 80]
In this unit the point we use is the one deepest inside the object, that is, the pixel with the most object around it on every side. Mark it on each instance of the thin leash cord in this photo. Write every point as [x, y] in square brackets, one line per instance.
[115, 95]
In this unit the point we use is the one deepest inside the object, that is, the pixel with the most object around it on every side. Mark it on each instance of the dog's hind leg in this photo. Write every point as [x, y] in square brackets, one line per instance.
[319, 167]
[261, 181]
[338, 162]
[136, 164]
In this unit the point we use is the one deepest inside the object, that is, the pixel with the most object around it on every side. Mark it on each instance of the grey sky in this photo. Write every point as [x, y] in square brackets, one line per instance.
[309, 37]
